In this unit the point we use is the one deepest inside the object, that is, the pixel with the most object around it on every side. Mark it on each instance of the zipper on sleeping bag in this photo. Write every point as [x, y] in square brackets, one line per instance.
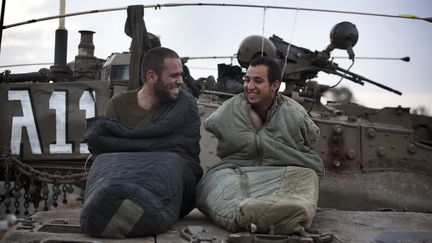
[259, 158]
[259, 148]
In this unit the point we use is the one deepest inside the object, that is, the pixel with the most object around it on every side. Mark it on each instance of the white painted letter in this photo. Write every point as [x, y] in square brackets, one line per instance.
[26, 121]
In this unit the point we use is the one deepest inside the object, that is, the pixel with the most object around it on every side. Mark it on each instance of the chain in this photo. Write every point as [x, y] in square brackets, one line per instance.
[20, 176]
[17, 191]
[34, 193]
[6, 198]
[7, 185]
[26, 201]
[45, 195]
[40, 175]
[56, 192]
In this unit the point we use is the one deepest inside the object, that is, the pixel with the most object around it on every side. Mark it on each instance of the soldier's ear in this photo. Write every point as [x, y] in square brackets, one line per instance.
[275, 86]
[151, 76]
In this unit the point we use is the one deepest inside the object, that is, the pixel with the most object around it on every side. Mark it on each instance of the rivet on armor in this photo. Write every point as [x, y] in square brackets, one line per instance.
[381, 151]
[337, 163]
[351, 154]
[335, 151]
[338, 113]
[324, 115]
[337, 139]
[352, 119]
[412, 149]
[371, 133]
[338, 129]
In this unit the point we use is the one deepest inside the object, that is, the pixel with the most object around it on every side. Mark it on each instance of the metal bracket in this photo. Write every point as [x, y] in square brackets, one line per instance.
[197, 234]
[26, 224]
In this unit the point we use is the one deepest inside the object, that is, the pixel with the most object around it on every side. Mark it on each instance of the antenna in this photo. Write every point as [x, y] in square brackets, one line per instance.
[60, 47]
[1, 20]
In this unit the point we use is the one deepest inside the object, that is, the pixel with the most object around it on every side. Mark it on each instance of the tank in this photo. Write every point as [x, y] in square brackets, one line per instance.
[377, 185]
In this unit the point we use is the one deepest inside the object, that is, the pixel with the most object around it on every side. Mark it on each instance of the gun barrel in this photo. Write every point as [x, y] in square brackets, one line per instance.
[359, 77]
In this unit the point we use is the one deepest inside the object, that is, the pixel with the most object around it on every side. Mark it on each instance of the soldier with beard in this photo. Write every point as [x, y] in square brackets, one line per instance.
[143, 178]
[161, 72]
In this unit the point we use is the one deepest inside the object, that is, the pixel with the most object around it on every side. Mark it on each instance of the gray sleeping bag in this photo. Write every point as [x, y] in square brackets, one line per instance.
[260, 199]
[135, 194]
[143, 178]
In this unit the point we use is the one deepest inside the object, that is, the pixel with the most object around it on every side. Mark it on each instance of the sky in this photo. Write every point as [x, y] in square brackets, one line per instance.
[218, 31]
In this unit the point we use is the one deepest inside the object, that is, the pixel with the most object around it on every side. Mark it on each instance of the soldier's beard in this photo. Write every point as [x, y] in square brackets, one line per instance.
[163, 92]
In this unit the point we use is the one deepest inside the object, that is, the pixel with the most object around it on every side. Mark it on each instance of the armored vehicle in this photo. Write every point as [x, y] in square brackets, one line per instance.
[377, 186]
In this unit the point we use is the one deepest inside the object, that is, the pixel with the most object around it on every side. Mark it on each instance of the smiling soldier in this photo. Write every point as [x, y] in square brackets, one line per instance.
[143, 178]
[267, 179]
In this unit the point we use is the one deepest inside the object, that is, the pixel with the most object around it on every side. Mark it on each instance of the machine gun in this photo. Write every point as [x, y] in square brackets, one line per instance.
[300, 64]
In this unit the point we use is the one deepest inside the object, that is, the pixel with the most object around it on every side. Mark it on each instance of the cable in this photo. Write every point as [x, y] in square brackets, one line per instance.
[85, 164]
[331, 87]
[263, 30]
[289, 45]
[343, 75]
[167, 5]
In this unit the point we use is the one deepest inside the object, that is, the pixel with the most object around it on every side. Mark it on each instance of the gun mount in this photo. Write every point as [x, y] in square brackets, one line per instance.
[301, 64]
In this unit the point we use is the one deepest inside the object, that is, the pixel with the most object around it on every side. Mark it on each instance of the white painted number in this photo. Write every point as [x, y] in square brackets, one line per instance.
[57, 102]
[87, 103]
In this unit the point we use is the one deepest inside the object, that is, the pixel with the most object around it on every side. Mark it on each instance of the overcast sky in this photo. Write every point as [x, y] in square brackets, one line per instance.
[218, 31]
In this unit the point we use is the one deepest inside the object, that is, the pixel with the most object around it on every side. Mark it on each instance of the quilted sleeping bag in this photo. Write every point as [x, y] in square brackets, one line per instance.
[266, 199]
[134, 194]
[142, 180]
[267, 179]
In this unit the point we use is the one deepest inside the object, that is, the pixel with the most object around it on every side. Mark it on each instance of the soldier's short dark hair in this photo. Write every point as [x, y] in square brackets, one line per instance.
[154, 60]
[273, 70]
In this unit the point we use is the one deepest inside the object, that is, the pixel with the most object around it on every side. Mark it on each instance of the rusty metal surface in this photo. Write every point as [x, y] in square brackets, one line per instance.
[70, 217]
[354, 226]
[397, 190]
